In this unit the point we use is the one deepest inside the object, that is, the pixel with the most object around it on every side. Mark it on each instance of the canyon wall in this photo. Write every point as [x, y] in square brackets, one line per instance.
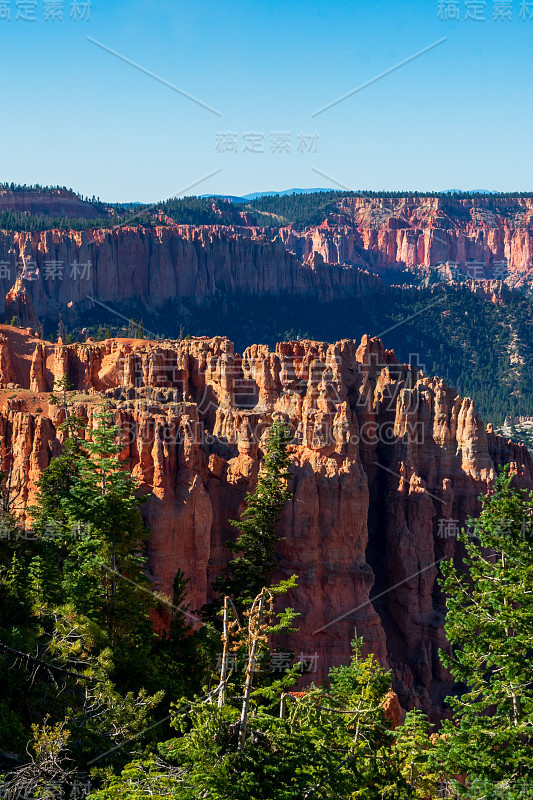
[385, 463]
[388, 233]
[136, 268]
[67, 271]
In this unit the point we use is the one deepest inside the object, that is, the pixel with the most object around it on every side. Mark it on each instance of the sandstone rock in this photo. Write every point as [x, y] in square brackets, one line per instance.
[383, 458]
[392, 708]
[38, 381]
[136, 265]
[18, 304]
[132, 264]
[391, 233]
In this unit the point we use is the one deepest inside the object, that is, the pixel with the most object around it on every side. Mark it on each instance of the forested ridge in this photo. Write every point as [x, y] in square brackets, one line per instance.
[272, 211]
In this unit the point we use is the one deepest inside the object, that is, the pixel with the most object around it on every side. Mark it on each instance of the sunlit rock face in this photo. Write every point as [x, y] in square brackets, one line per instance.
[386, 464]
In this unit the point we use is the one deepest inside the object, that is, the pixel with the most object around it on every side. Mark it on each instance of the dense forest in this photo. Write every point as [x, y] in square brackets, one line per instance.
[96, 704]
[22, 221]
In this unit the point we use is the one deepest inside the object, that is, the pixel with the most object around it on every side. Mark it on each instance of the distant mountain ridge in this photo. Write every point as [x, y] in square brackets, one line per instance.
[255, 195]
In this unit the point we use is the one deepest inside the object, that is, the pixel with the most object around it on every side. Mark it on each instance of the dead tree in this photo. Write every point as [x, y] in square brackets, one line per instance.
[263, 606]
[231, 629]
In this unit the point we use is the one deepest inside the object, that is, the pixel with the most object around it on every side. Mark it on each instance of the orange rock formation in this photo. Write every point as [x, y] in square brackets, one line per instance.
[385, 465]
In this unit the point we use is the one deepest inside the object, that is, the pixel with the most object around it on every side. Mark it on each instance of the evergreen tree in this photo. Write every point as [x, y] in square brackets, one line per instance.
[179, 657]
[415, 751]
[103, 573]
[330, 742]
[75, 608]
[490, 628]
[61, 333]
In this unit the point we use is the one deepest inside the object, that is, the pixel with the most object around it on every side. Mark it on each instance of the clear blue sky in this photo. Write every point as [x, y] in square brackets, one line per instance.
[459, 116]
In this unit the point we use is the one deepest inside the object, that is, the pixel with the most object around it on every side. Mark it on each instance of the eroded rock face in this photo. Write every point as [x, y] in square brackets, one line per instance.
[388, 233]
[68, 270]
[19, 305]
[386, 463]
[132, 264]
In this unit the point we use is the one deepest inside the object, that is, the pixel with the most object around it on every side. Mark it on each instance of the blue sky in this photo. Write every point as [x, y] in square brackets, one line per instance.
[458, 116]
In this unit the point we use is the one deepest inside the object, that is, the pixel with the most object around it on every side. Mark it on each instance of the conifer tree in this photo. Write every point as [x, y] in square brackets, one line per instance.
[490, 628]
[104, 571]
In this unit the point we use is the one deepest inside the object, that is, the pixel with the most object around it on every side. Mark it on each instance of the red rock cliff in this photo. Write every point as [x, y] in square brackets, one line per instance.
[381, 455]
[391, 233]
[68, 270]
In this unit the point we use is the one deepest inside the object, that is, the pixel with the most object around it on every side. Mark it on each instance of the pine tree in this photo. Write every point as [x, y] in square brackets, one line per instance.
[104, 571]
[329, 743]
[490, 628]
[78, 630]
[178, 661]
[415, 750]
[61, 334]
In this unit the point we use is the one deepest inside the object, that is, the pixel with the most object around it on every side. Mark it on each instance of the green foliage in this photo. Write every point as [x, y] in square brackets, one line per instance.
[490, 628]
[179, 656]
[202, 211]
[333, 742]
[302, 210]
[75, 594]
[415, 751]
[103, 501]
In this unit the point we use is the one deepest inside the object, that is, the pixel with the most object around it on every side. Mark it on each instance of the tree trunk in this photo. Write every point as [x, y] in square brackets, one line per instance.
[251, 667]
